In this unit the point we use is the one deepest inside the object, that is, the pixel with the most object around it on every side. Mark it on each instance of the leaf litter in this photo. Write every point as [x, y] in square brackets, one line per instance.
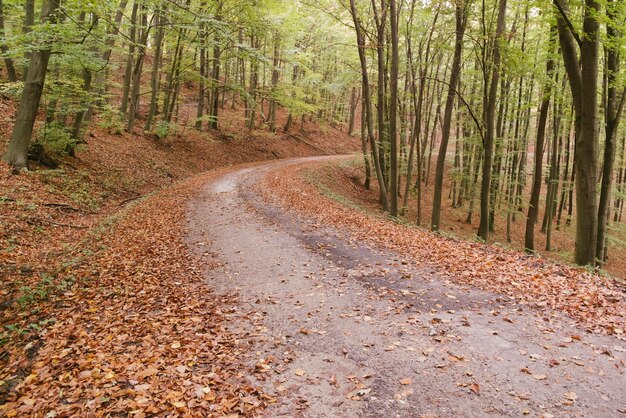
[142, 333]
[595, 302]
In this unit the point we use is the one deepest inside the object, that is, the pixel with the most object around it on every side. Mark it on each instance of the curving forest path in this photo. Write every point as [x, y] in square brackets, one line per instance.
[344, 329]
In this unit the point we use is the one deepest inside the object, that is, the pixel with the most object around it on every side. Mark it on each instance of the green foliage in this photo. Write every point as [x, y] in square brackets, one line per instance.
[312, 178]
[164, 129]
[54, 141]
[40, 292]
[12, 90]
[76, 187]
[111, 120]
[13, 329]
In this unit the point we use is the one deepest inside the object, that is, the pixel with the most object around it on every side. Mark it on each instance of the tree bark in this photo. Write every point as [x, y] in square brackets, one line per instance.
[393, 108]
[156, 65]
[128, 72]
[455, 75]
[29, 21]
[368, 105]
[614, 107]
[135, 92]
[17, 151]
[489, 122]
[215, 73]
[583, 78]
[8, 61]
[533, 208]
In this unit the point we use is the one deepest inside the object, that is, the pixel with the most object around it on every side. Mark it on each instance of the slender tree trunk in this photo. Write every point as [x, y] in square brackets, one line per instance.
[353, 105]
[393, 108]
[368, 104]
[566, 184]
[533, 208]
[156, 65]
[366, 159]
[489, 122]
[201, 83]
[99, 84]
[29, 21]
[254, 80]
[472, 196]
[8, 61]
[418, 104]
[381, 21]
[128, 73]
[455, 75]
[275, 79]
[135, 93]
[614, 107]
[215, 74]
[621, 179]
[79, 118]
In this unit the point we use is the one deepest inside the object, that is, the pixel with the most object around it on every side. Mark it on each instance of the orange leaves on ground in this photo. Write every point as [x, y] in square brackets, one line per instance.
[598, 303]
[141, 333]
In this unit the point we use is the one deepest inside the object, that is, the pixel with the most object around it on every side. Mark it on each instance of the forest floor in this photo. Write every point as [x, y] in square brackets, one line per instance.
[353, 315]
[347, 179]
[133, 286]
[101, 308]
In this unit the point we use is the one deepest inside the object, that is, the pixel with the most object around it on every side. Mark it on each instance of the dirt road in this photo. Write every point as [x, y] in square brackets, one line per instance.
[347, 330]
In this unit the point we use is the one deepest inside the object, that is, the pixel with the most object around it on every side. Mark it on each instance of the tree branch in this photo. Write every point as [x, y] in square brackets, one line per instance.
[557, 4]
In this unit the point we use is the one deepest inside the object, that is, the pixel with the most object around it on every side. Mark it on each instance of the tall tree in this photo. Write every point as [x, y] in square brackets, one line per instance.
[461, 8]
[361, 44]
[491, 82]
[8, 61]
[533, 207]
[581, 59]
[17, 151]
[393, 107]
[613, 110]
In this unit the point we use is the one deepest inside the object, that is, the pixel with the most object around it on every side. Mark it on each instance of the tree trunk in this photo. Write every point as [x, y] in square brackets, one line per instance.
[455, 75]
[275, 79]
[353, 104]
[156, 65]
[583, 78]
[128, 73]
[614, 107]
[393, 108]
[368, 104]
[8, 61]
[366, 159]
[29, 21]
[215, 73]
[489, 122]
[533, 208]
[135, 93]
[381, 21]
[17, 151]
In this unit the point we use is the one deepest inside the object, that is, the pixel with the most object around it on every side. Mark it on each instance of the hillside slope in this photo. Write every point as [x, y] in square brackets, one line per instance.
[54, 222]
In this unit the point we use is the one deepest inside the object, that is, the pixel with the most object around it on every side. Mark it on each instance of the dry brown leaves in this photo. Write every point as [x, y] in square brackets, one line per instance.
[141, 333]
[597, 303]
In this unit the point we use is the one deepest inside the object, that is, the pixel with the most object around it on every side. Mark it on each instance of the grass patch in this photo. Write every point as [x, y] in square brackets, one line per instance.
[314, 179]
